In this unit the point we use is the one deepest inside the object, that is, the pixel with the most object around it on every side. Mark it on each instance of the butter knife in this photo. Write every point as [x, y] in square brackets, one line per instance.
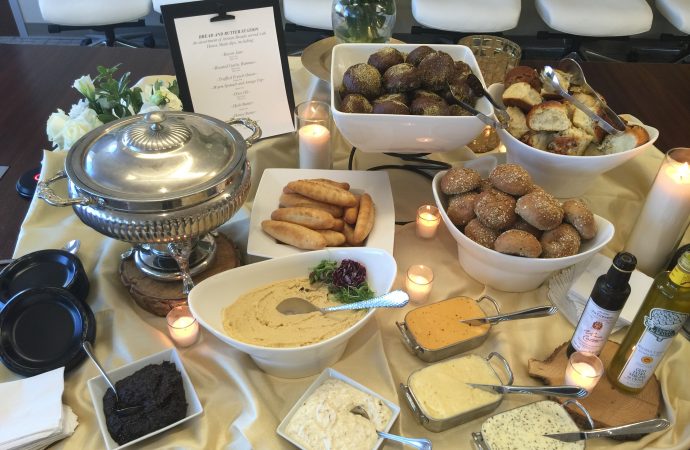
[537, 311]
[555, 391]
[644, 427]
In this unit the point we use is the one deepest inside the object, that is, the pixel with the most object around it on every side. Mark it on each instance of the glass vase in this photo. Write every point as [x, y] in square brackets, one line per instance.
[363, 20]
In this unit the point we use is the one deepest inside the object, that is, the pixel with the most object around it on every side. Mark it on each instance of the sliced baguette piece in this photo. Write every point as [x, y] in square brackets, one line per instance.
[633, 137]
[538, 139]
[522, 95]
[517, 125]
[572, 141]
[548, 116]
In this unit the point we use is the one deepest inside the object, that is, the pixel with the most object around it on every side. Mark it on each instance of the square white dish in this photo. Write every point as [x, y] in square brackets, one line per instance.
[403, 133]
[375, 183]
[97, 387]
[325, 375]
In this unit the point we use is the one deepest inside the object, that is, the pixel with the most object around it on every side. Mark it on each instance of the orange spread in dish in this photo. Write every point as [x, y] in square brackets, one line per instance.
[438, 325]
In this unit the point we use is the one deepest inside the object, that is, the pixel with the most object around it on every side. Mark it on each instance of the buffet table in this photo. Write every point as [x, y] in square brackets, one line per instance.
[243, 405]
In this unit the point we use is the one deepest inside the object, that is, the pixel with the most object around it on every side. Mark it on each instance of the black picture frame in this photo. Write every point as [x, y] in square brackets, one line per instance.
[222, 10]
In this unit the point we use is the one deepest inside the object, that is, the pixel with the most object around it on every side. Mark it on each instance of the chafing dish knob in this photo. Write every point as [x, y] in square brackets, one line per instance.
[153, 136]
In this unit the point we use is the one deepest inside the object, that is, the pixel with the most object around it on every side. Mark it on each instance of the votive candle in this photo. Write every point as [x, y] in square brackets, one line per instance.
[428, 219]
[665, 214]
[313, 121]
[584, 370]
[418, 282]
[182, 326]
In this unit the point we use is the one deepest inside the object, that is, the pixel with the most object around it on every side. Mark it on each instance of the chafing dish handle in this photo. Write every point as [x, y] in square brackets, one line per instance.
[249, 123]
[48, 194]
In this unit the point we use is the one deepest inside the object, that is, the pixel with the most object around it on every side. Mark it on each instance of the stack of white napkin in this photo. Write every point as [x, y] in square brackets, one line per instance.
[570, 288]
[32, 415]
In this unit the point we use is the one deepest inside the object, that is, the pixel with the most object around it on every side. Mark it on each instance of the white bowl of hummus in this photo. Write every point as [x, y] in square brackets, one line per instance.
[239, 307]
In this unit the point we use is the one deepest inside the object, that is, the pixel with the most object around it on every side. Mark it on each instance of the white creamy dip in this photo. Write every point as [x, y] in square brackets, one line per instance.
[324, 420]
[524, 427]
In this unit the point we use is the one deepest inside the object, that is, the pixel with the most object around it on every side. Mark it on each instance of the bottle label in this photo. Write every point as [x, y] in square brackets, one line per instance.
[679, 277]
[594, 328]
[661, 325]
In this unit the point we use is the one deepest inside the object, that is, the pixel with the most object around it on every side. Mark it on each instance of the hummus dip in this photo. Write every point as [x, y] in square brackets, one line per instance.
[254, 319]
[324, 420]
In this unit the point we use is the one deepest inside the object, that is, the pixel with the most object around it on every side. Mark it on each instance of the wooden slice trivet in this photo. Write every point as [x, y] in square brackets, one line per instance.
[607, 406]
[159, 297]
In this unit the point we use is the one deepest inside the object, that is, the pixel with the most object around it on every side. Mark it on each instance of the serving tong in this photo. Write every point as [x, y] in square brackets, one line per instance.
[616, 125]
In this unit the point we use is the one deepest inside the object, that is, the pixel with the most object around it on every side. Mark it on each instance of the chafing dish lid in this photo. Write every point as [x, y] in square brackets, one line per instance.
[161, 159]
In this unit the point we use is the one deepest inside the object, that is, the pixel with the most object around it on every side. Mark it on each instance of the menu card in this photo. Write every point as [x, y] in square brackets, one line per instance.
[230, 61]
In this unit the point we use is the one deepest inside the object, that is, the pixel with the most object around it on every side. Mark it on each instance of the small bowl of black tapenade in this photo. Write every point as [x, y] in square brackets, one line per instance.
[159, 384]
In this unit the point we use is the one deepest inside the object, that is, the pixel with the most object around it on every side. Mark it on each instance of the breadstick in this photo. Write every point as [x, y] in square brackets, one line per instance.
[337, 225]
[323, 192]
[365, 218]
[341, 184]
[333, 238]
[350, 213]
[313, 218]
[349, 233]
[293, 234]
[287, 200]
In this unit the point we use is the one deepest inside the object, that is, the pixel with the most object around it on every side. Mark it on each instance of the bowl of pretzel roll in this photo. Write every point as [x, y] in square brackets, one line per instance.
[560, 146]
[298, 210]
[511, 233]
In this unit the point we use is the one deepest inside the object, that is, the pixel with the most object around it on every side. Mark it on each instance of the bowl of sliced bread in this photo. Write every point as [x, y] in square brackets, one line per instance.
[562, 148]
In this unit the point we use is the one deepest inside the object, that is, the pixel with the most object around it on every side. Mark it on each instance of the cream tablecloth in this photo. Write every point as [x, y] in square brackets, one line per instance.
[243, 405]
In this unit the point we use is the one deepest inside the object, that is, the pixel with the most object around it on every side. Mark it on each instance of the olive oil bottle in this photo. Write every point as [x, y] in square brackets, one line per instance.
[661, 316]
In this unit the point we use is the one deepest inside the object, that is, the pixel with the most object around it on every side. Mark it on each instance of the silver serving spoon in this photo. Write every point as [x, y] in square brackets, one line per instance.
[421, 444]
[537, 311]
[119, 409]
[555, 391]
[549, 77]
[296, 305]
[477, 87]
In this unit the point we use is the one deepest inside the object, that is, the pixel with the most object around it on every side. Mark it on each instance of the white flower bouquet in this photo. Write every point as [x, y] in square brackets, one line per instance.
[107, 99]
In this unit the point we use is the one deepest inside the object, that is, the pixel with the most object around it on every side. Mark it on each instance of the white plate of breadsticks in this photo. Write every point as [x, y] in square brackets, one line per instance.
[297, 210]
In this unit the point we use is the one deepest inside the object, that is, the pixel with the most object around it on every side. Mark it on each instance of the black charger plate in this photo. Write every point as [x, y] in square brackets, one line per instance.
[44, 268]
[42, 329]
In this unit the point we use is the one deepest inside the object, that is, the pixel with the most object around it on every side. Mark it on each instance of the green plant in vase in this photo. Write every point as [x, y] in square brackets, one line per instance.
[363, 20]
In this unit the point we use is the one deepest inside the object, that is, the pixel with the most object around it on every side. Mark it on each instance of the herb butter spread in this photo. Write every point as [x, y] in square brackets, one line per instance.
[254, 319]
[524, 427]
[442, 391]
[324, 420]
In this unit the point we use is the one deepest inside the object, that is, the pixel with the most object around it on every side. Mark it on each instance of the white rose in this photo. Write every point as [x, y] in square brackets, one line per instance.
[75, 129]
[55, 126]
[85, 86]
[78, 108]
[91, 117]
[173, 102]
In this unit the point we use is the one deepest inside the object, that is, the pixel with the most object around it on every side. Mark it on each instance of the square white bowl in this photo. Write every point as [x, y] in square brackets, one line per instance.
[375, 183]
[403, 133]
[208, 299]
[507, 272]
[325, 375]
[98, 387]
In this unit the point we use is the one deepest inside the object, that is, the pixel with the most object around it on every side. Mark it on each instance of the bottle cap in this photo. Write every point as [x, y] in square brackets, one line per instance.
[625, 262]
[684, 261]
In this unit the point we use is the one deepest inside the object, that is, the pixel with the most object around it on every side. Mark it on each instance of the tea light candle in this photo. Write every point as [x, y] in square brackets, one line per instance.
[665, 214]
[314, 147]
[418, 282]
[583, 370]
[428, 219]
[182, 326]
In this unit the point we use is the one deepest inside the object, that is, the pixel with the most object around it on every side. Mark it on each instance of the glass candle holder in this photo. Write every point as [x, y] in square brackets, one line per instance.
[418, 282]
[313, 125]
[182, 326]
[583, 370]
[428, 219]
[665, 214]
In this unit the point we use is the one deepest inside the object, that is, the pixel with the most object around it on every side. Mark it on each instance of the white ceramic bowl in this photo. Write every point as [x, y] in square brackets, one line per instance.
[506, 272]
[97, 388]
[208, 299]
[400, 133]
[565, 176]
[325, 375]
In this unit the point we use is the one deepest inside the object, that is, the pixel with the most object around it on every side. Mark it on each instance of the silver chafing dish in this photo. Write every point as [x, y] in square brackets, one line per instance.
[162, 181]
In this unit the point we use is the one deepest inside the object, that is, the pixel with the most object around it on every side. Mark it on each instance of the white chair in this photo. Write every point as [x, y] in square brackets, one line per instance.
[677, 12]
[467, 16]
[99, 15]
[309, 13]
[600, 18]
[158, 3]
